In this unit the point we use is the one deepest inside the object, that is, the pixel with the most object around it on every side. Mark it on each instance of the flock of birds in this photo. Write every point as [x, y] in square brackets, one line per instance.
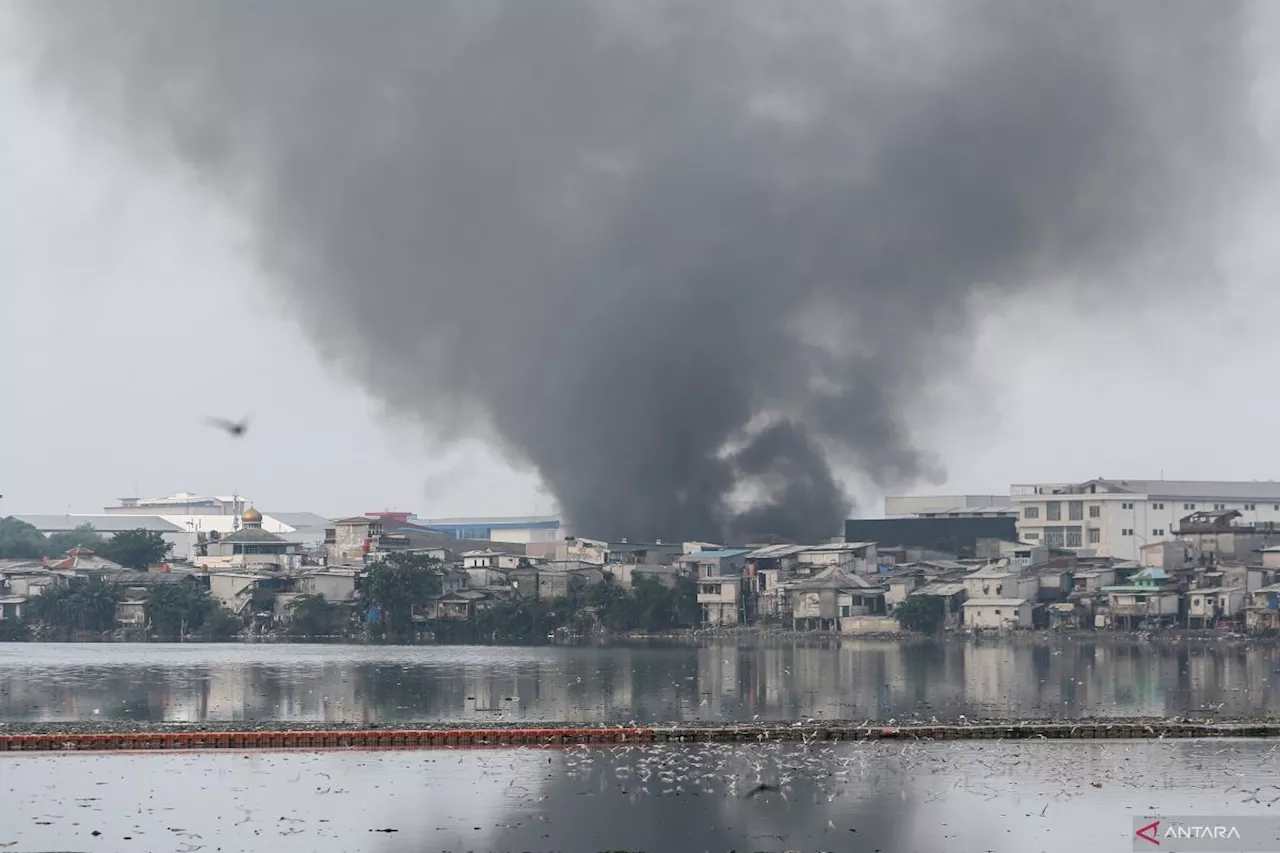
[837, 791]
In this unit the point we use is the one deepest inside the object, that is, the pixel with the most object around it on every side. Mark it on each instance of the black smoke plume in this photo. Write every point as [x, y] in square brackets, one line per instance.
[671, 253]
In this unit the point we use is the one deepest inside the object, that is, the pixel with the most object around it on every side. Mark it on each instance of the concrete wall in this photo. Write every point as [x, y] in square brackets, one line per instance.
[1002, 616]
[869, 625]
[329, 587]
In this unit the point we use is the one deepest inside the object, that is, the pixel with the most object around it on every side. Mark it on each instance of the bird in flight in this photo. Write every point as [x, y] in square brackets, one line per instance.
[234, 428]
[760, 789]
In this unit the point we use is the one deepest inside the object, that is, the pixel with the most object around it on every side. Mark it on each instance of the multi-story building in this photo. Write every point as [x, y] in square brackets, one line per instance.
[1118, 517]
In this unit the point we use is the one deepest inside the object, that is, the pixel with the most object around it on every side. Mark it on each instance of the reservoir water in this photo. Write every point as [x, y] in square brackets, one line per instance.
[860, 679]
[887, 797]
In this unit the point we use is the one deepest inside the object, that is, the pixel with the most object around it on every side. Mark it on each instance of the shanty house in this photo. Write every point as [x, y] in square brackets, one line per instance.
[997, 581]
[984, 614]
[822, 601]
[714, 563]
[857, 558]
[1207, 607]
[1148, 599]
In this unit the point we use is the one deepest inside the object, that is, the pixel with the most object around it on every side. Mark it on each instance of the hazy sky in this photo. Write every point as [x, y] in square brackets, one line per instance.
[131, 307]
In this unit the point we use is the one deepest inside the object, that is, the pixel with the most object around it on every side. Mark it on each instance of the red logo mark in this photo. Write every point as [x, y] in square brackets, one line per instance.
[1148, 832]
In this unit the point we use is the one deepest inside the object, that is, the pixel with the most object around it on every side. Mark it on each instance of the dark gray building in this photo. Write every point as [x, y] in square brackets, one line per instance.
[941, 533]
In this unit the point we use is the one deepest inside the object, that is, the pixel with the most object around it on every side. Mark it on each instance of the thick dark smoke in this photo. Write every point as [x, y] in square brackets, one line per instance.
[666, 251]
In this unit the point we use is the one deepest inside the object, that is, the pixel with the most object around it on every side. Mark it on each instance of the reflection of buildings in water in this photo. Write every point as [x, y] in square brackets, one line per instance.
[991, 676]
[184, 701]
[775, 675]
[226, 694]
[719, 675]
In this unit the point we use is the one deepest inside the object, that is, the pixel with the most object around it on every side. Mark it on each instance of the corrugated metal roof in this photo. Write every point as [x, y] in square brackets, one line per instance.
[995, 602]
[1263, 490]
[101, 523]
[833, 578]
[300, 520]
[993, 571]
[943, 589]
[771, 552]
[968, 510]
[719, 554]
[839, 546]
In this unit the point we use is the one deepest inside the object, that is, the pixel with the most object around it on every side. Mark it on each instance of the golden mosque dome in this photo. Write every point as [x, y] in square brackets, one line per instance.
[251, 516]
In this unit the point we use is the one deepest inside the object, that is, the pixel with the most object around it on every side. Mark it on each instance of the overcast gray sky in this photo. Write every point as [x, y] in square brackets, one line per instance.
[132, 307]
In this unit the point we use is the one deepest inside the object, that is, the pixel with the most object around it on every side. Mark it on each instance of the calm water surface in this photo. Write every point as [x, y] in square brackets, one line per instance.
[1050, 677]
[1057, 797]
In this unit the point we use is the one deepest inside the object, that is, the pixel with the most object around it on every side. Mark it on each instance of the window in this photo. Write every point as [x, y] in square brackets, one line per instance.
[1095, 536]
[845, 611]
[1251, 507]
[1073, 537]
[1219, 506]
[1053, 538]
[1095, 511]
[1031, 537]
[1139, 599]
[1075, 510]
[1126, 505]
[997, 611]
[1188, 506]
[1128, 531]
[1157, 506]
[1054, 510]
[1159, 531]
[1031, 512]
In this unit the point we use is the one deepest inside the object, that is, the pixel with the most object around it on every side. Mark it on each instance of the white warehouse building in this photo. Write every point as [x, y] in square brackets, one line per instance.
[1118, 517]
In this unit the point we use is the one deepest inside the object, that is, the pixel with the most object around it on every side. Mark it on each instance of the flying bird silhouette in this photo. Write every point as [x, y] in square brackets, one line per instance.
[234, 428]
[760, 789]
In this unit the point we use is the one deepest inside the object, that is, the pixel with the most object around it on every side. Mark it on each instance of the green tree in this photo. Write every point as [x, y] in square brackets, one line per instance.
[684, 603]
[400, 583]
[135, 549]
[518, 621]
[923, 613]
[615, 608]
[84, 605]
[175, 610]
[20, 541]
[655, 605]
[83, 536]
[14, 630]
[220, 624]
[313, 616]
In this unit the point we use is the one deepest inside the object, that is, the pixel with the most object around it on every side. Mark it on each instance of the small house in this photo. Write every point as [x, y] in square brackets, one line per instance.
[856, 558]
[714, 563]
[998, 581]
[12, 606]
[821, 602]
[1207, 607]
[1149, 599]
[722, 601]
[953, 597]
[1263, 611]
[989, 614]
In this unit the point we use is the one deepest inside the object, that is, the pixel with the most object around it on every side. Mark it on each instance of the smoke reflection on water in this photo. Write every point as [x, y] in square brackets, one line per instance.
[1059, 797]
